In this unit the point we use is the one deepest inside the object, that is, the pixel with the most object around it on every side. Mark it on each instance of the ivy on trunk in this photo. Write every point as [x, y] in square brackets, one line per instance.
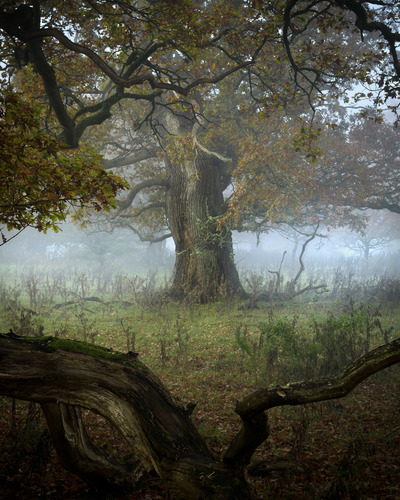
[204, 267]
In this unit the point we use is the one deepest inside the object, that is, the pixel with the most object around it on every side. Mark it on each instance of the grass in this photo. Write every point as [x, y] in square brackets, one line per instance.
[216, 354]
[268, 345]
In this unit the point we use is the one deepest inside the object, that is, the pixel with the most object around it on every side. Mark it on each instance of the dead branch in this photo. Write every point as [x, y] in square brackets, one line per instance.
[251, 409]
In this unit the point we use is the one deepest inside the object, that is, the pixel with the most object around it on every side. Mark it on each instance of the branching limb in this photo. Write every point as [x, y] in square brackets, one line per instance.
[310, 11]
[139, 78]
[147, 237]
[146, 208]
[148, 183]
[334, 387]
[278, 274]
[132, 159]
[363, 24]
[253, 406]
[303, 249]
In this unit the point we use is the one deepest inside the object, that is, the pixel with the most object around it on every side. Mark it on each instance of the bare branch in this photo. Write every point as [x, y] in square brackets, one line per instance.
[152, 206]
[145, 154]
[363, 24]
[303, 249]
[338, 386]
[197, 144]
[255, 430]
[149, 238]
[148, 183]
[317, 8]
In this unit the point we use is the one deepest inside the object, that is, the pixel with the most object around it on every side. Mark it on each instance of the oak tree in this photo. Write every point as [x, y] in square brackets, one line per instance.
[201, 93]
[139, 52]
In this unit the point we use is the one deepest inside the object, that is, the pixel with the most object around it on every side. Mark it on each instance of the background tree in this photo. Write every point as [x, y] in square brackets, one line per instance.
[139, 53]
[379, 233]
[360, 166]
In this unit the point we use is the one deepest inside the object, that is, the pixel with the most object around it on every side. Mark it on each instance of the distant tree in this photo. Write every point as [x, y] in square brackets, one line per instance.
[381, 230]
[360, 166]
[351, 166]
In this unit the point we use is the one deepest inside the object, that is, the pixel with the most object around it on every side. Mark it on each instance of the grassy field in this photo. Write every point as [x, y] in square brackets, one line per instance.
[213, 355]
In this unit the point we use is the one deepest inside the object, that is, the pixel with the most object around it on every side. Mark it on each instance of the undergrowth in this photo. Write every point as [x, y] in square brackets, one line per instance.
[213, 355]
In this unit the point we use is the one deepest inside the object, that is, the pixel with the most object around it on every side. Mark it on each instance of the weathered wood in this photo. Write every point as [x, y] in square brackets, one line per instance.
[251, 409]
[51, 371]
[78, 454]
[65, 375]
[78, 301]
[253, 432]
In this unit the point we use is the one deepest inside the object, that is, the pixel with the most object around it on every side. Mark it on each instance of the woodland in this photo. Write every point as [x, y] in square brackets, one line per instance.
[189, 120]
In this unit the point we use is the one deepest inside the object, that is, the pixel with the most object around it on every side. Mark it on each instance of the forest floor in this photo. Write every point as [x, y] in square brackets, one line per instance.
[214, 356]
[347, 449]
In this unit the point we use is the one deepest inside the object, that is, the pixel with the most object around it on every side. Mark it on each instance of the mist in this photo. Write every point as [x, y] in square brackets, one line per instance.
[121, 253]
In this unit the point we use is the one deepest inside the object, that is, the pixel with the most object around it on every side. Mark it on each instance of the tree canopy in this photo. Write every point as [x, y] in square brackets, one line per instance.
[315, 60]
[39, 176]
[212, 111]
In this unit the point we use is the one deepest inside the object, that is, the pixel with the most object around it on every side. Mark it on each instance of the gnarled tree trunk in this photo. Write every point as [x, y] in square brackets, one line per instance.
[204, 266]
[64, 376]
[59, 376]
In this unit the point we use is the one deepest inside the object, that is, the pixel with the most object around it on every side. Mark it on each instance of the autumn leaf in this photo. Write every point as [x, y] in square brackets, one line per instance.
[36, 185]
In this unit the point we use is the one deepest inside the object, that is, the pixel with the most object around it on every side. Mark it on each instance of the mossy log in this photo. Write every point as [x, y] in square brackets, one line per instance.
[64, 376]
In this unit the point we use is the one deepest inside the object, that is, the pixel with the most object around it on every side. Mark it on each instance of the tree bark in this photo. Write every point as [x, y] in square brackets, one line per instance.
[78, 454]
[204, 266]
[65, 375]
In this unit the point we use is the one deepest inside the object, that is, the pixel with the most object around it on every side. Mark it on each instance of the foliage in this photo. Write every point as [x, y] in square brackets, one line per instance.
[40, 177]
[289, 173]
[193, 58]
[323, 57]
[359, 166]
[330, 342]
[274, 178]
[341, 339]
[234, 87]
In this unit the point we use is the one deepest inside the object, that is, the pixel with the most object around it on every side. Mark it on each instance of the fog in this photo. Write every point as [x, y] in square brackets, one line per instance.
[122, 253]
